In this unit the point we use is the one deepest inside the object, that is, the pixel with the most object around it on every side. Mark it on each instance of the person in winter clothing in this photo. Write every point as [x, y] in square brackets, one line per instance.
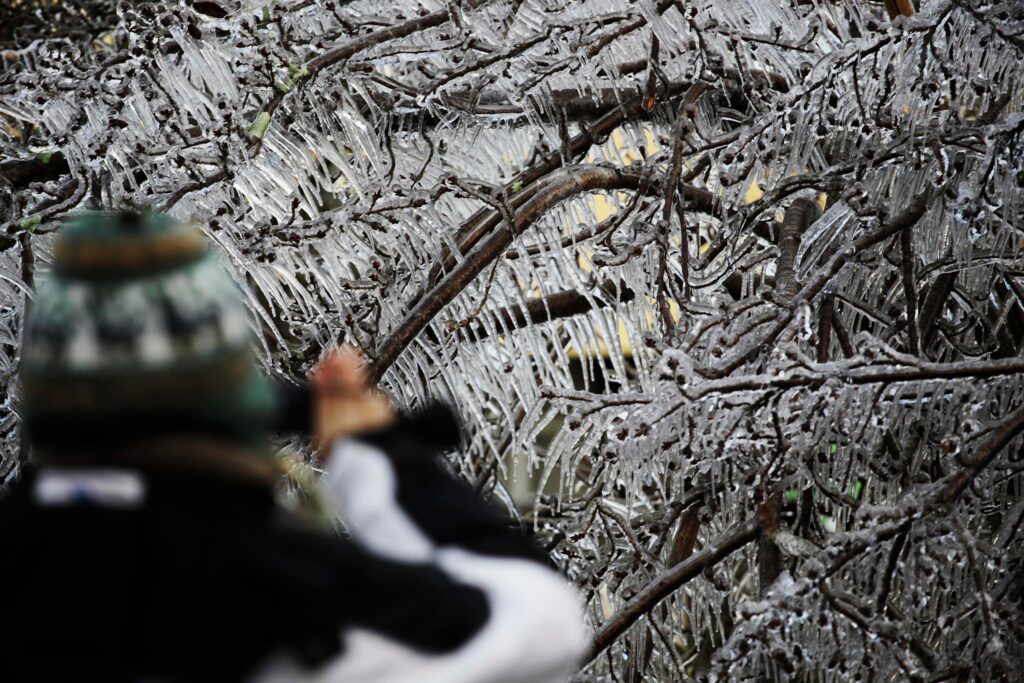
[145, 543]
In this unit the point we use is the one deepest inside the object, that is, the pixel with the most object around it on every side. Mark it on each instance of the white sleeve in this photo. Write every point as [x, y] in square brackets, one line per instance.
[361, 486]
[535, 632]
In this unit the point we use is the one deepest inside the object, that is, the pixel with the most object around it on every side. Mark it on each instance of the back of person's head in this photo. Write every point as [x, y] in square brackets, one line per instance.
[137, 333]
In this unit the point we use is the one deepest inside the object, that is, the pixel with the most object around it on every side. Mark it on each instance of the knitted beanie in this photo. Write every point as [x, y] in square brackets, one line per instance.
[138, 332]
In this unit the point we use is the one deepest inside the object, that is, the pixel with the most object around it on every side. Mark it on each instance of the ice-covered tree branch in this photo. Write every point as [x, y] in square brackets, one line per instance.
[760, 256]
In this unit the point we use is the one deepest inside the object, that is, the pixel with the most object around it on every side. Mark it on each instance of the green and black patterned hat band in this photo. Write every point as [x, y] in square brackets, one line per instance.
[137, 319]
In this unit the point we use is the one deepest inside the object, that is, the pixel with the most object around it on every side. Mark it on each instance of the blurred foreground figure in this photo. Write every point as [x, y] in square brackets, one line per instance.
[145, 543]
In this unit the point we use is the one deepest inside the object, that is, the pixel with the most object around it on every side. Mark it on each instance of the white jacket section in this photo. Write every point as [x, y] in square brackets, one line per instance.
[535, 632]
[361, 485]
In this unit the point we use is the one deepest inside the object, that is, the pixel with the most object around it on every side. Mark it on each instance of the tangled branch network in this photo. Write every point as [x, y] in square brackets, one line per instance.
[728, 293]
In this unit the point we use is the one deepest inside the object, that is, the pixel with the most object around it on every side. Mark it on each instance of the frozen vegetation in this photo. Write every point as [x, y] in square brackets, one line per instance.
[736, 284]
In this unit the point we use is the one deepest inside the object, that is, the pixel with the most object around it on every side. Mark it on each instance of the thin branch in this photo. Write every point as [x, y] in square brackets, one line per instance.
[858, 376]
[668, 582]
[912, 213]
[934, 302]
[885, 586]
[195, 186]
[909, 289]
[826, 313]
[346, 50]
[477, 226]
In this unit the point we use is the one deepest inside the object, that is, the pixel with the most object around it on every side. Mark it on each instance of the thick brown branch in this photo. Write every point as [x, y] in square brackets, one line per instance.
[609, 224]
[684, 123]
[553, 307]
[558, 187]
[574, 106]
[28, 265]
[897, 8]
[885, 586]
[799, 216]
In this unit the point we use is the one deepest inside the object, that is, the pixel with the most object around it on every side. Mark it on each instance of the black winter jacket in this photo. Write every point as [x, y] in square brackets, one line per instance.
[158, 576]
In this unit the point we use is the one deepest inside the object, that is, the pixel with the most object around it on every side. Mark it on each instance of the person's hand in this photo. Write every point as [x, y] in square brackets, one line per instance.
[344, 403]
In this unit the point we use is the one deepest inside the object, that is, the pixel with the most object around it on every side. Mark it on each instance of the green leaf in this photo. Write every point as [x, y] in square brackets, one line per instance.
[297, 73]
[44, 157]
[260, 125]
[792, 495]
